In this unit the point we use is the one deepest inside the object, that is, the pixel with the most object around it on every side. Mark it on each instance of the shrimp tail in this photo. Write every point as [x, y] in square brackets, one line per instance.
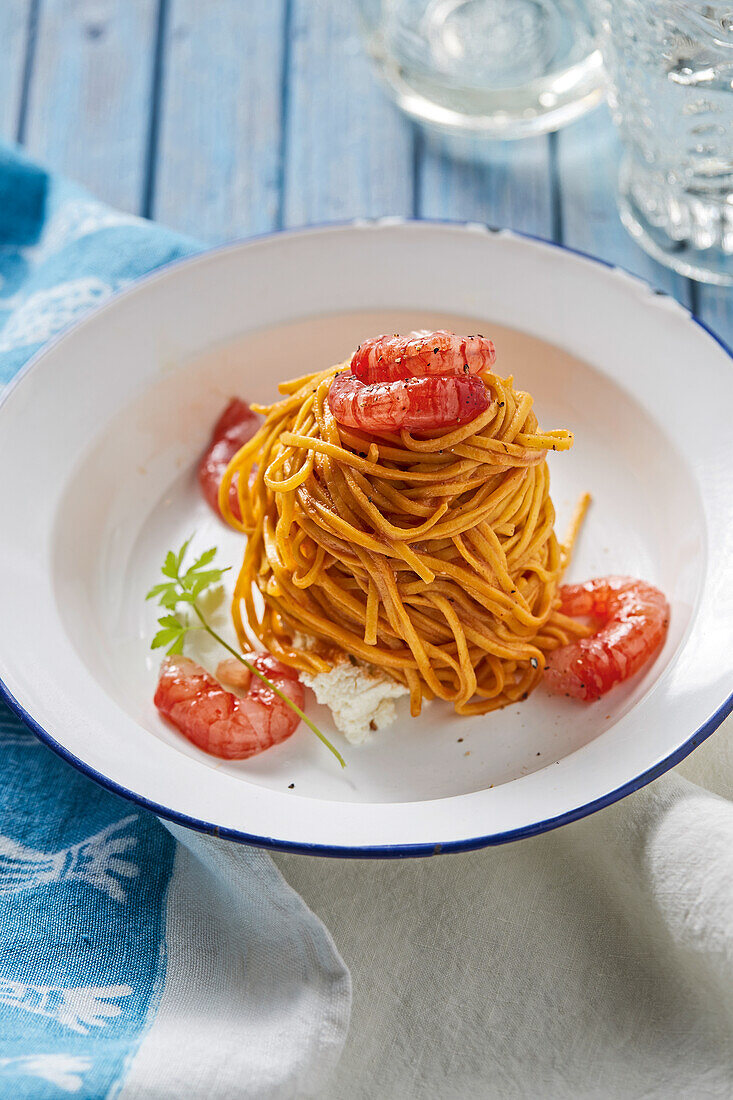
[220, 722]
[632, 619]
[236, 425]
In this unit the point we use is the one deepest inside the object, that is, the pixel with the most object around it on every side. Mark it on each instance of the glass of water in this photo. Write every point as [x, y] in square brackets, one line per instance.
[491, 68]
[670, 67]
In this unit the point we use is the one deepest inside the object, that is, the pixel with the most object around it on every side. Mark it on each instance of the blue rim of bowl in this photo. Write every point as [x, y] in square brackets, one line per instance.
[383, 851]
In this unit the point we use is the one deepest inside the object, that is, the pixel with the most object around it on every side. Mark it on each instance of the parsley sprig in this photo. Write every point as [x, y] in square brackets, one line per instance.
[185, 588]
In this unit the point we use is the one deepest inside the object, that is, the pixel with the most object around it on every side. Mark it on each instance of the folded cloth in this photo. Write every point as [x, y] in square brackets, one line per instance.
[592, 963]
[135, 962]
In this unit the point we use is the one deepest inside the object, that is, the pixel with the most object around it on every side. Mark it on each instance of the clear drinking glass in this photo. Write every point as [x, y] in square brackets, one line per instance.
[495, 68]
[670, 68]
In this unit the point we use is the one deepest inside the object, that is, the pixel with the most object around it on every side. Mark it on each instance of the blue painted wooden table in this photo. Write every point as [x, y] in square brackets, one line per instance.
[230, 118]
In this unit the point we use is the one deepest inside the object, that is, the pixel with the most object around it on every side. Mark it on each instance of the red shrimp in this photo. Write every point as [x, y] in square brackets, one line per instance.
[218, 721]
[389, 358]
[234, 427]
[633, 617]
[416, 404]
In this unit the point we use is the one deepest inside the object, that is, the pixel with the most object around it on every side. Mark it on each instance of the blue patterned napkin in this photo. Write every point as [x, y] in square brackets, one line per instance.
[134, 961]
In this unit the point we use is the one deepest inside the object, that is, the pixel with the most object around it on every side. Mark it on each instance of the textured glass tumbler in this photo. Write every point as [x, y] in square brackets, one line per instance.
[670, 69]
[491, 68]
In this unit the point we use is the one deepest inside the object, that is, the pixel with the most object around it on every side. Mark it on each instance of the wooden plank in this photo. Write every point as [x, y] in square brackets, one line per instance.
[714, 306]
[506, 184]
[14, 26]
[89, 96]
[219, 154]
[348, 151]
[586, 166]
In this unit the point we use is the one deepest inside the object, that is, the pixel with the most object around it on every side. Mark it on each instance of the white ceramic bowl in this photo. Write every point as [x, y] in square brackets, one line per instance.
[98, 441]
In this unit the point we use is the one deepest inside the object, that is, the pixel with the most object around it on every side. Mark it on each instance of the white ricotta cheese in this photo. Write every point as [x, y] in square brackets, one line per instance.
[361, 698]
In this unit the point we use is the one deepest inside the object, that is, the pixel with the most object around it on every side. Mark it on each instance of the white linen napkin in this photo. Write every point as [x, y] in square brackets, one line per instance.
[593, 961]
[256, 1000]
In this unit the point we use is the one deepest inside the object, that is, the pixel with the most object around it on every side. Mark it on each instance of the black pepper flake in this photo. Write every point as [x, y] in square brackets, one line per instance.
[290, 786]
[435, 351]
[526, 695]
[501, 404]
[465, 368]
[534, 662]
[538, 754]
[459, 740]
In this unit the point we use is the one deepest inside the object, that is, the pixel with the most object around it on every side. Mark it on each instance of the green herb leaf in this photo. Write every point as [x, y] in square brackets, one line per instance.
[181, 554]
[166, 586]
[206, 557]
[172, 621]
[203, 580]
[163, 637]
[170, 566]
[198, 586]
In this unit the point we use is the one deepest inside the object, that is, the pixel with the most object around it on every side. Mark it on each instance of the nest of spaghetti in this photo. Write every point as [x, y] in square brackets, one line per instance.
[430, 556]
